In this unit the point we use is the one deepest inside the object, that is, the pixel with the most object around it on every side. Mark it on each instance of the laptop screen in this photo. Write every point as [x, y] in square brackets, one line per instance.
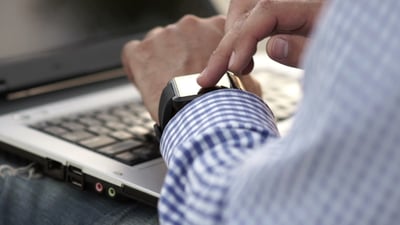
[42, 41]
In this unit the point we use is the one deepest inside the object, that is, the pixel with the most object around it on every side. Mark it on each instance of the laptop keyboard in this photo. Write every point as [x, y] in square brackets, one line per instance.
[123, 132]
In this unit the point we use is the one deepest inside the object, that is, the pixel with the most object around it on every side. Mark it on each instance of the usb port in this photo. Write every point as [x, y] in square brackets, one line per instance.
[76, 182]
[75, 176]
[75, 170]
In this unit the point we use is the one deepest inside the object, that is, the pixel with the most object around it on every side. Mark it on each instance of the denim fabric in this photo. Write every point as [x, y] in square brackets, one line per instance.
[44, 201]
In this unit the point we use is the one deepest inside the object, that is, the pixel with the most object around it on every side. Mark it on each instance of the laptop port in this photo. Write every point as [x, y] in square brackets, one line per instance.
[99, 187]
[111, 192]
[54, 169]
[76, 182]
[75, 170]
[75, 176]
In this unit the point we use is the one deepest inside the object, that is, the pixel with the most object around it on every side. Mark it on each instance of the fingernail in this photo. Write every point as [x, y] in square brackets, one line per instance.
[202, 74]
[232, 60]
[280, 48]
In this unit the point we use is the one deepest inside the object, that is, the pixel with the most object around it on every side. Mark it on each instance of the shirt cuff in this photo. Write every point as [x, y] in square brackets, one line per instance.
[216, 109]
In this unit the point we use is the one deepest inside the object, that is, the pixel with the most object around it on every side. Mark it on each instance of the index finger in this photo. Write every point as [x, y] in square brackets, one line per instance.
[267, 18]
[257, 25]
[238, 45]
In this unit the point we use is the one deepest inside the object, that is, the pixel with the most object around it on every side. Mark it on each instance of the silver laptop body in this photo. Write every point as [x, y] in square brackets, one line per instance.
[63, 62]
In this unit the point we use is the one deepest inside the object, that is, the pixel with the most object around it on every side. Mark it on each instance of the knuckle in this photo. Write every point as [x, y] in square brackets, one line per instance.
[189, 20]
[144, 49]
[220, 19]
[170, 29]
[155, 29]
[153, 32]
[168, 33]
[129, 47]
[134, 51]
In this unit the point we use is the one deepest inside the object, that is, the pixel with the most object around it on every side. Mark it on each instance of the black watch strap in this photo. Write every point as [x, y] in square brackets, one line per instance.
[165, 110]
[170, 103]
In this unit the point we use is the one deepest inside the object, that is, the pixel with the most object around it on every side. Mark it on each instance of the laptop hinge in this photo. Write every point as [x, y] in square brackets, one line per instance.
[65, 84]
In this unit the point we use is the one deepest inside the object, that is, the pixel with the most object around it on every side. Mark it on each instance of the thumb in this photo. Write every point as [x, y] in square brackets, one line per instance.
[286, 49]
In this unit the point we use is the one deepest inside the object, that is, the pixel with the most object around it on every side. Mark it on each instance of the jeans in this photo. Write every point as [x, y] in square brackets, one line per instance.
[26, 197]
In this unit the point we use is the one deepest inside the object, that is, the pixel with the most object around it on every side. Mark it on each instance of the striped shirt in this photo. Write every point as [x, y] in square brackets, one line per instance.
[339, 163]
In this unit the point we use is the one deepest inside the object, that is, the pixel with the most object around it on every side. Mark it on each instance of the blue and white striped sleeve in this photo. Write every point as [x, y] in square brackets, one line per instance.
[338, 164]
[201, 146]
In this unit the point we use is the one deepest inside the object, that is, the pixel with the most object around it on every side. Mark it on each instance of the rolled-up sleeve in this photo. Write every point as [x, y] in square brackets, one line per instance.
[202, 145]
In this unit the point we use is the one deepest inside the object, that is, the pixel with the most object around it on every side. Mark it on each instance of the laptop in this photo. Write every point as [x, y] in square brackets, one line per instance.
[65, 102]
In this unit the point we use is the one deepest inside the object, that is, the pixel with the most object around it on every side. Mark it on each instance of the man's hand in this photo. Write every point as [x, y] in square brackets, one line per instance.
[178, 49]
[250, 21]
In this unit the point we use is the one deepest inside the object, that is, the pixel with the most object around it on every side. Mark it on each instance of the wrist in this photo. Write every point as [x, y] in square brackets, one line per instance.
[182, 90]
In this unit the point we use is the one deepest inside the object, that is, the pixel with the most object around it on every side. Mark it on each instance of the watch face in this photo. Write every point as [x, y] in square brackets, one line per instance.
[187, 85]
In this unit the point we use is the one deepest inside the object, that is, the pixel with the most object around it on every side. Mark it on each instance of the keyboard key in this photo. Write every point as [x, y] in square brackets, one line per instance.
[120, 147]
[130, 119]
[121, 135]
[116, 125]
[77, 136]
[146, 152]
[73, 126]
[138, 130]
[107, 117]
[96, 142]
[128, 158]
[122, 113]
[89, 121]
[55, 130]
[99, 130]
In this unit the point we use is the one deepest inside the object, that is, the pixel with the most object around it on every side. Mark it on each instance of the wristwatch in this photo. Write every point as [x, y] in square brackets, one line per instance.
[182, 90]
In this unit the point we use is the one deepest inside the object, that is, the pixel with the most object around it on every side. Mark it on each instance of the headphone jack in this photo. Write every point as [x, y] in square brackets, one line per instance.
[111, 192]
[99, 187]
